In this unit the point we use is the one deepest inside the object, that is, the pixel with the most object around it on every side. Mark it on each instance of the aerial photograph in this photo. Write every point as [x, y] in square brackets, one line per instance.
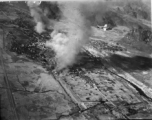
[76, 60]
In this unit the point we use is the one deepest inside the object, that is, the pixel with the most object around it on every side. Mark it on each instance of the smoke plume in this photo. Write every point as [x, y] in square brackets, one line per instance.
[78, 31]
[40, 18]
[73, 30]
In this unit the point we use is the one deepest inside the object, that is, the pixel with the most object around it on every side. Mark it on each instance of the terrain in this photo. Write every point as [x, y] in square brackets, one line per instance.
[111, 80]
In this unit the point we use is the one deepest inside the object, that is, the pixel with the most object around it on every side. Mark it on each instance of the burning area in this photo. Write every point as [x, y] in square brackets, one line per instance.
[71, 31]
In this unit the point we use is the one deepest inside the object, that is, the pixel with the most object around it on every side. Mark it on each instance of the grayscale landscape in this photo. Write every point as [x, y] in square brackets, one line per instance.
[88, 60]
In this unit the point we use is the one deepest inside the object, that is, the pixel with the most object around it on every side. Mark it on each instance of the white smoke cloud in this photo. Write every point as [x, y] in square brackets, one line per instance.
[39, 27]
[73, 30]
[40, 18]
[78, 31]
[36, 13]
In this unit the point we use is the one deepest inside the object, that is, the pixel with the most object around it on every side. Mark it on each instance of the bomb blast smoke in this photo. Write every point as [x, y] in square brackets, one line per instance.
[73, 29]
[74, 24]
